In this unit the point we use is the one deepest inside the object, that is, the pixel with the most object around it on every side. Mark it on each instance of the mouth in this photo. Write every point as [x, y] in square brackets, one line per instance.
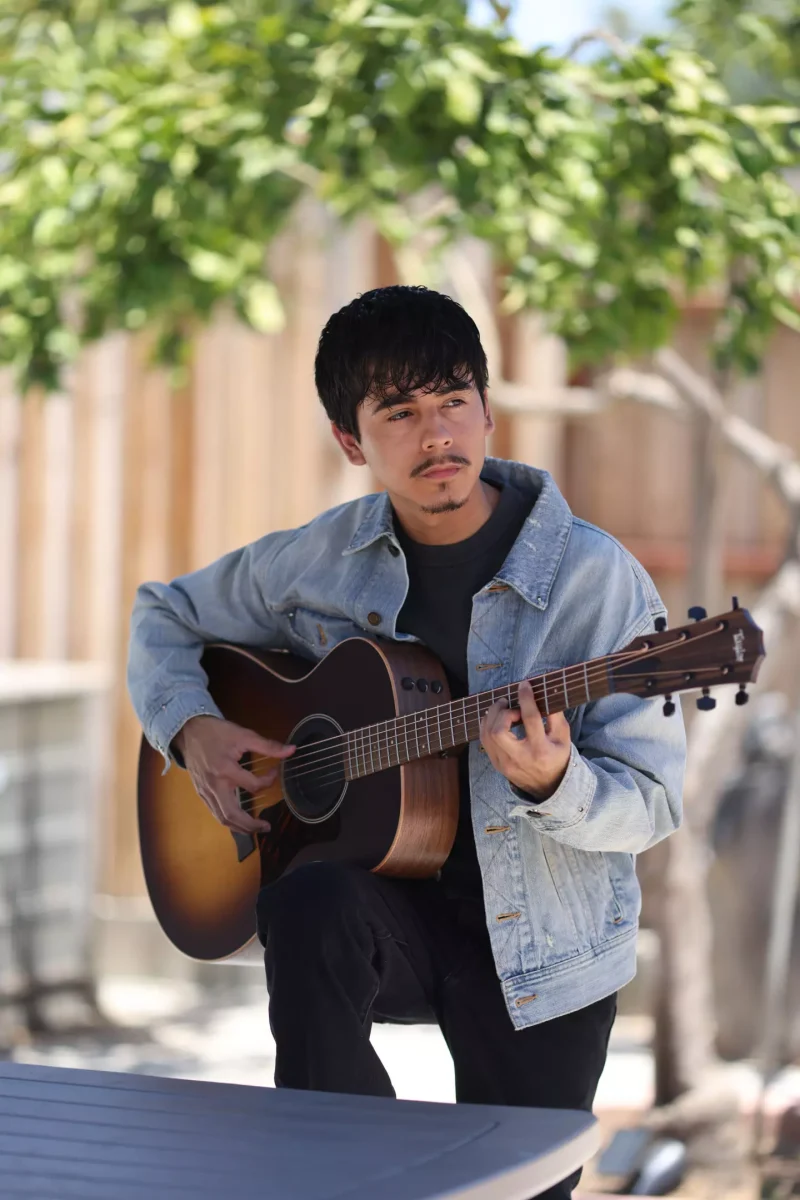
[441, 472]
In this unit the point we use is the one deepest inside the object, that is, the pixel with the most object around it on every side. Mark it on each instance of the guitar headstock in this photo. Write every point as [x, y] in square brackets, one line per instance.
[709, 651]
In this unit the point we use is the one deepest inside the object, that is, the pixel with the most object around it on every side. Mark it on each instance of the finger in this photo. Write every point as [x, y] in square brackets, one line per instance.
[558, 728]
[210, 801]
[235, 817]
[531, 714]
[268, 746]
[249, 780]
[497, 718]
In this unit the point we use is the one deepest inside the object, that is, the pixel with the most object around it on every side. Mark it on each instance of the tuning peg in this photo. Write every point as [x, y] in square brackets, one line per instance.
[707, 702]
[661, 624]
[742, 696]
[669, 707]
[697, 613]
[735, 603]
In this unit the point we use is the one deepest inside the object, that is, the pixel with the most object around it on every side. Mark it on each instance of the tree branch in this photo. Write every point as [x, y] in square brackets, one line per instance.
[612, 40]
[679, 385]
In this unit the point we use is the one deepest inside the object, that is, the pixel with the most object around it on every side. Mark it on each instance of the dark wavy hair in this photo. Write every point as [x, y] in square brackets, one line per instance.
[394, 341]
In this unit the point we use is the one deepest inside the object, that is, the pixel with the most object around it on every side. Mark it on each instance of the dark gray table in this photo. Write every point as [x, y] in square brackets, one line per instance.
[100, 1135]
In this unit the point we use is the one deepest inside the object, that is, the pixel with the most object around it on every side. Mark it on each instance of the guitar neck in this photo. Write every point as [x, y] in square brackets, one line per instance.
[445, 726]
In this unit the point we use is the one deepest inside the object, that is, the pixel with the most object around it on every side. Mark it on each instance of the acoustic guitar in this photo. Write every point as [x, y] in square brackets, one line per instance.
[373, 780]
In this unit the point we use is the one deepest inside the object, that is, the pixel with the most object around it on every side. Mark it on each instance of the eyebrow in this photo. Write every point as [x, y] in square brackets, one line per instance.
[396, 398]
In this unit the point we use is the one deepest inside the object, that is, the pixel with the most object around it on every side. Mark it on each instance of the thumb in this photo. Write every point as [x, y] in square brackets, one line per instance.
[269, 746]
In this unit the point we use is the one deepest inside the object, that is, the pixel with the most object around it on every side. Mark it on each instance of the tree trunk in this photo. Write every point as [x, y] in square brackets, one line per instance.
[685, 1024]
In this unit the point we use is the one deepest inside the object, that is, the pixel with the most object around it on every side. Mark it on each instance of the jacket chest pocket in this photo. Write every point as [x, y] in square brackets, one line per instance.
[319, 632]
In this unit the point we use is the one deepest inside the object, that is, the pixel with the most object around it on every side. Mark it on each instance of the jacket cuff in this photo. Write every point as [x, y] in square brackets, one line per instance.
[568, 805]
[169, 719]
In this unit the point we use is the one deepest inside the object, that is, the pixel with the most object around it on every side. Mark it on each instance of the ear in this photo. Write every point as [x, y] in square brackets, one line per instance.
[488, 419]
[350, 446]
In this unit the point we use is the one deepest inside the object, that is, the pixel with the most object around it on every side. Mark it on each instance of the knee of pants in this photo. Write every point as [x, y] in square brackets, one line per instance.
[309, 902]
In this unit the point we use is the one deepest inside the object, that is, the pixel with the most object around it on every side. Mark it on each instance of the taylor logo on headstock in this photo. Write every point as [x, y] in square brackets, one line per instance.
[738, 645]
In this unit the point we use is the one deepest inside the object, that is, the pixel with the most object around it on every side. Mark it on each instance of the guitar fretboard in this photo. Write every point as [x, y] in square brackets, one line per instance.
[442, 727]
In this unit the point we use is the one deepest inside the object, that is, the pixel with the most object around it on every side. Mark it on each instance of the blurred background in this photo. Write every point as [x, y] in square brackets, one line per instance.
[187, 192]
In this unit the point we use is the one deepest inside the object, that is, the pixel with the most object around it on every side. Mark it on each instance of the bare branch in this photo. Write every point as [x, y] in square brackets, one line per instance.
[624, 383]
[520, 399]
[679, 386]
[612, 40]
[501, 11]
[718, 736]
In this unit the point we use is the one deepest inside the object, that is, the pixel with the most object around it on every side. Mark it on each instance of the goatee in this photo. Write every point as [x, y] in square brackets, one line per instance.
[445, 506]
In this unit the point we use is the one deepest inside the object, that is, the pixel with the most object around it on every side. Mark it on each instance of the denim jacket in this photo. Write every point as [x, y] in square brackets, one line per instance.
[560, 889]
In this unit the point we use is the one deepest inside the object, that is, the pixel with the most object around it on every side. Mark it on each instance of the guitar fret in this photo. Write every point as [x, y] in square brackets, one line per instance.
[382, 741]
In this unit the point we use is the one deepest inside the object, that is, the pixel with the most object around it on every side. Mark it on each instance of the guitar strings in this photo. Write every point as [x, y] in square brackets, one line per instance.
[360, 750]
[575, 673]
[333, 772]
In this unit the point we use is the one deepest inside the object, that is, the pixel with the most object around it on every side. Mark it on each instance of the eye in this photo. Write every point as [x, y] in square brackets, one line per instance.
[405, 411]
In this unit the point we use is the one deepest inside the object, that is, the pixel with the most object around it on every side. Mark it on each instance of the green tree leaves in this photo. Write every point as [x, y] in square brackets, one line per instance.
[149, 154]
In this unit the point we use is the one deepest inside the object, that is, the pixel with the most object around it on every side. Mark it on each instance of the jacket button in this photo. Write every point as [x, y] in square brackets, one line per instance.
[374, 618]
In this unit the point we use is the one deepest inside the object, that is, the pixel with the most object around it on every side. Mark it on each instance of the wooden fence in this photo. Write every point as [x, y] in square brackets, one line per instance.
[121, 479]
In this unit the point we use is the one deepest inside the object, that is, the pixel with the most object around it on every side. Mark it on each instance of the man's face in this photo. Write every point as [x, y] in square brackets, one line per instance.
[427, 449]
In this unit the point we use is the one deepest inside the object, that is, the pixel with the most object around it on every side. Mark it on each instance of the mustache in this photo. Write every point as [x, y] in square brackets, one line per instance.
[452, 461]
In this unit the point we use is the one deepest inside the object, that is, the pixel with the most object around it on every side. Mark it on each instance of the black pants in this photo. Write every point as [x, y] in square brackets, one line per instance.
[345, 947]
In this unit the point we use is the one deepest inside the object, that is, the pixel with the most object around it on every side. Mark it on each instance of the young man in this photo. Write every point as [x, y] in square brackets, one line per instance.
[520, 945]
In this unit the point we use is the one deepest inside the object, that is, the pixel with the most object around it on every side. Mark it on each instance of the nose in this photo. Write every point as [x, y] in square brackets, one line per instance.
[436, 435]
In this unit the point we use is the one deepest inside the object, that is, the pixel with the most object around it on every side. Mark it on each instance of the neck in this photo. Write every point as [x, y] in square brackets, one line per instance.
[446, 528]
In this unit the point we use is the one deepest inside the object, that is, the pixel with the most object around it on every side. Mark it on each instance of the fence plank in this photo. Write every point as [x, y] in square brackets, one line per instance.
[145, 533]
[539, 359]
[10, 438]
[31, 538]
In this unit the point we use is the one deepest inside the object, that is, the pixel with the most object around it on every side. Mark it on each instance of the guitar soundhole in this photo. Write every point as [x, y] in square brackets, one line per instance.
[314, 781]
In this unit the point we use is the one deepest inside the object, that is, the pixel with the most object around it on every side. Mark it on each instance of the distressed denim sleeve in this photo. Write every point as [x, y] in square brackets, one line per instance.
[623, 789]
[171, 622]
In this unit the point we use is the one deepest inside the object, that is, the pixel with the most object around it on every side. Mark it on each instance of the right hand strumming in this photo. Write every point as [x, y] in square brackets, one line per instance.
[211, 749]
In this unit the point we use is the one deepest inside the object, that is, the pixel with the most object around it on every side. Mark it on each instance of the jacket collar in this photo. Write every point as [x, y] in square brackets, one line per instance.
[534, 559]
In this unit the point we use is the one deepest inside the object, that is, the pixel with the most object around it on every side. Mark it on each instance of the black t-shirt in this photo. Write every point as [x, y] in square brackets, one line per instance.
[438, 610]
